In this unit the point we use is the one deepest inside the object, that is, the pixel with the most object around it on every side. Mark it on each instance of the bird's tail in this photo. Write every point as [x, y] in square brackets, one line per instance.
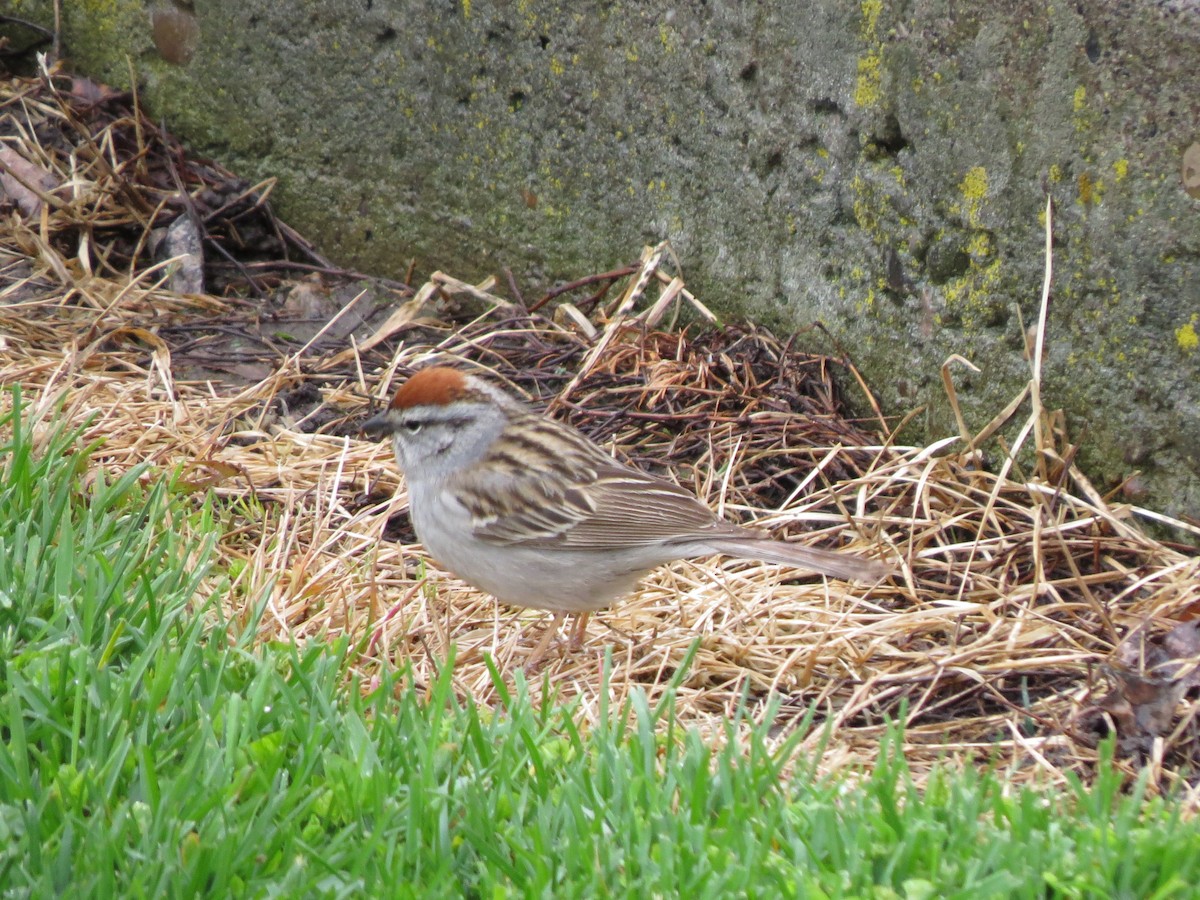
[827, 562]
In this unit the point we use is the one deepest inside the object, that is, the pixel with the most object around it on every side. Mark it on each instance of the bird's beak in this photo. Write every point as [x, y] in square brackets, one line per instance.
[377, 427]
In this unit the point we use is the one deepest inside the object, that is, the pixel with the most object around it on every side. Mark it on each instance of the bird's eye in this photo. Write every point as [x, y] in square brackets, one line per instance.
[412, 427]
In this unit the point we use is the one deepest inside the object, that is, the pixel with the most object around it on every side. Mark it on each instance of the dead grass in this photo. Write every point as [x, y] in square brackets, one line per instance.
[1000, 638]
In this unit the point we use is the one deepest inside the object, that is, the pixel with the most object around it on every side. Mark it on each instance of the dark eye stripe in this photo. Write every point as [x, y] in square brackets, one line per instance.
[416, 424]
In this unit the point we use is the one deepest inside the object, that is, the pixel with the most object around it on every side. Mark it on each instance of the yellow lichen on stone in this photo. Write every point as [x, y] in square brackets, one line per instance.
[865, 208]
[1089, 189]
[1186, 337]
[974, 188]
[866, 303]
[970, 295]
[664, 38]
[1120, 169]
[868, 90]
[1085, 188]
[974, 184]
[1084, 116]
[871, 10]
[980, 246]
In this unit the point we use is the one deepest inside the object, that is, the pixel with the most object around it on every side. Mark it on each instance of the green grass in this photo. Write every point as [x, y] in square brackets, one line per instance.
[146, 752]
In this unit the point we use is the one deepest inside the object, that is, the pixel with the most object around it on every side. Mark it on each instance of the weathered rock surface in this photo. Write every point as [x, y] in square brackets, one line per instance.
[881, 168]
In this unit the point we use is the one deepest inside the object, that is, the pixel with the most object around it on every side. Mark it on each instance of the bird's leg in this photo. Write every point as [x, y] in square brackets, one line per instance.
[579, 631]
[547, 636]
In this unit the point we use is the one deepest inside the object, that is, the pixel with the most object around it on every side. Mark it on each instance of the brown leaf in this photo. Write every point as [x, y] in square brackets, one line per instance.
[92, 92]
[1152, 675]
[24, 181]
[204, 474]
[1183, 643]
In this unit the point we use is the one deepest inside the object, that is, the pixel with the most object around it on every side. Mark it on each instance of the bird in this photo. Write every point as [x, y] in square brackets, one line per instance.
[532, 511]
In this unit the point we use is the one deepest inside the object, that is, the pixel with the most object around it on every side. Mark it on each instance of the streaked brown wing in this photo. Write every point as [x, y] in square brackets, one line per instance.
[618, 507]
[520, 493]
[636, 509]
[513, 506]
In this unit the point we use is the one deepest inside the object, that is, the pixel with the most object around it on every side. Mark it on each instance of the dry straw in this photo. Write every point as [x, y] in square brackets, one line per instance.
[1000, 638]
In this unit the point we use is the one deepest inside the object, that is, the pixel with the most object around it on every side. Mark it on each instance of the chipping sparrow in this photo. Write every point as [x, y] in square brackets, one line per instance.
[531, 511]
